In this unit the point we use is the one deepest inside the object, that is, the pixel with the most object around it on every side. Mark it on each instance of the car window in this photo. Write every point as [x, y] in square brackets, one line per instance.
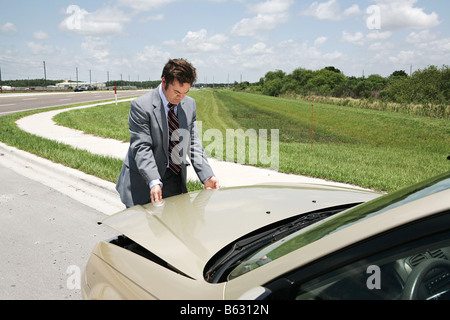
[337, 222]
[388, 275]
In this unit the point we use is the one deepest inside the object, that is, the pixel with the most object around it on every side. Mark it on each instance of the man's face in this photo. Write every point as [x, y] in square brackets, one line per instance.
[175, 91]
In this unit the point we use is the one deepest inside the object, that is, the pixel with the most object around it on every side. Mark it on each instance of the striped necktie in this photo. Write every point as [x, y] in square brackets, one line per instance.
[174, 143]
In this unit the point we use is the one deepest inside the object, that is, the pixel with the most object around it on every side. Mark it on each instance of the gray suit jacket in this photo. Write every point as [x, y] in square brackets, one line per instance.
[147, 157]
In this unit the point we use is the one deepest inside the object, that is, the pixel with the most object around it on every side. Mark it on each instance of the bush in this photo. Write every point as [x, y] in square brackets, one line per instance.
[429, 88]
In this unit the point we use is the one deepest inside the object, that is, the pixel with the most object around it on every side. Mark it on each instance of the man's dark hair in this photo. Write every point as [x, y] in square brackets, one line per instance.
[181, 70]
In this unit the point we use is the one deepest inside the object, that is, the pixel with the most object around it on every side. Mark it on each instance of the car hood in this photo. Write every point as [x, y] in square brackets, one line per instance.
[187, 230]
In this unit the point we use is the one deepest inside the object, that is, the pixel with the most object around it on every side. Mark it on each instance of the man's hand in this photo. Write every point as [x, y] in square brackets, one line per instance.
[212, 183]
[156, 193]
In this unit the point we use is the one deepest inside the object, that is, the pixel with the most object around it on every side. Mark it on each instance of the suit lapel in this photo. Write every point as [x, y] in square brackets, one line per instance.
[182, 119]
[160, 116]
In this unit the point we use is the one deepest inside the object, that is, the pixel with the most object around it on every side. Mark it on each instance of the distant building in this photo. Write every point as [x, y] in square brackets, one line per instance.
[71, 84]
[66, 85]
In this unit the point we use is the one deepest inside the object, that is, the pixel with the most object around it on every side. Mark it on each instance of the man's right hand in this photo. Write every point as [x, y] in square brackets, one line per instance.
[156, 193]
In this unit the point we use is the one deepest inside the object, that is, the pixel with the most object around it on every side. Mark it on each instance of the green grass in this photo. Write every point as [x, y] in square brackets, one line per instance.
[374, 149]
[106, 168]
[108, 120]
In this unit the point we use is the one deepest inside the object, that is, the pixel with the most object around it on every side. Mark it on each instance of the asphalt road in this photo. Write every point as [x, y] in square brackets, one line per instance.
[11, 102]
[45, 236]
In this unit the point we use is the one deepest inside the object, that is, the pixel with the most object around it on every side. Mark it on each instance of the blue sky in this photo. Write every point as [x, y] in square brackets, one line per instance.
[226, 40]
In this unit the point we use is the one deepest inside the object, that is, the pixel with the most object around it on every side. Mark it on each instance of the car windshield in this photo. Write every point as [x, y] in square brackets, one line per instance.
[320, 228]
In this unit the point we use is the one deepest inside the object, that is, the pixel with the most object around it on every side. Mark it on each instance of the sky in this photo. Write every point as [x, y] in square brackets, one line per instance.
[226, 40]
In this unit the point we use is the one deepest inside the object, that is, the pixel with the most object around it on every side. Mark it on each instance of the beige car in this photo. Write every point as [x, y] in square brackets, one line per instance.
[279, 242]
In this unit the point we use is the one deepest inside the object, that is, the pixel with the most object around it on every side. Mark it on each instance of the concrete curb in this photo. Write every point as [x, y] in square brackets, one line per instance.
[87, 189]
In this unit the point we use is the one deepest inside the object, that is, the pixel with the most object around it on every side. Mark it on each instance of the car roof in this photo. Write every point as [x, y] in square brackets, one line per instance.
[187, 230]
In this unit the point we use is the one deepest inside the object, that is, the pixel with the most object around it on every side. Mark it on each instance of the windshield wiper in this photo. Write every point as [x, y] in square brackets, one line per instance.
[244, 246]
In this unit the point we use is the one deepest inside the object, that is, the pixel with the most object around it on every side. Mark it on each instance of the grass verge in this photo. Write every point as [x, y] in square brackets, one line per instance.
[374, 149]
[106, 168]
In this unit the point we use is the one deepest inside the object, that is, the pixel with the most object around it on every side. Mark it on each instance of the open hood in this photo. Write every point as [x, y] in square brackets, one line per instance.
[187, 230]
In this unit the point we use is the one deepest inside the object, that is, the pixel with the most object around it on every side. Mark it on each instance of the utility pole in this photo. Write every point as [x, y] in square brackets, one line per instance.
[45, 73]
[90, 77]
[77, 76]
[1, 88]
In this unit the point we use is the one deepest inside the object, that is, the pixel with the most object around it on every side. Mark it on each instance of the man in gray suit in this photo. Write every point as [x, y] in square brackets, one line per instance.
[163, 131]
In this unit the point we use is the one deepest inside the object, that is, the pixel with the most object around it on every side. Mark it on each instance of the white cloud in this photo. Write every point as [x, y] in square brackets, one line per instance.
[320, 41]
[105, 21]
[8, 27]
[354, 10]
[333, 56]
[250, 27]
[440, 47]
[286, 55]
[200, 41]
[420, 37]
[256, 49]
[378, 35]
[269, 15]
[330, 10]
[156, 17]
[357, 38]
[404, 57]
[40, 35]
[95, 48]
[380, 46]
[40, 48]
[402, 14]
[426, 44]
[144, 5]
[272, 7]
[148, 62]
[152, 54]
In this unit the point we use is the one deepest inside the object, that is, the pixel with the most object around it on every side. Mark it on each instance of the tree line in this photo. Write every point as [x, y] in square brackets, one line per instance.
[29, 83]
[427, 86]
